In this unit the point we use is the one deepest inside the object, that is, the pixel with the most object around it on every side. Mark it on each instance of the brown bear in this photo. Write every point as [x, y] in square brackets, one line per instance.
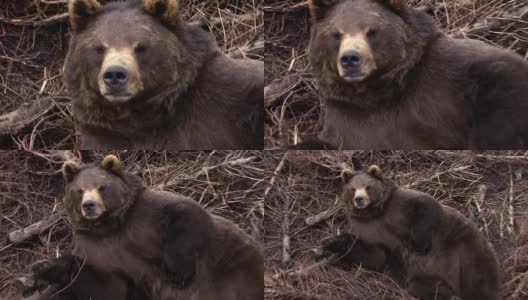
[140, 77]
[440, 252]
[168, 245]
[389, 79]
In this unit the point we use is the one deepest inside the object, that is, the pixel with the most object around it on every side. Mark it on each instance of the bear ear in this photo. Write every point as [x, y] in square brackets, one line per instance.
[166, 10]
[375, 171]
[346, 175]
[69, 169]
[112, 164]
[81, 11]
[396, 4]
[318, 8]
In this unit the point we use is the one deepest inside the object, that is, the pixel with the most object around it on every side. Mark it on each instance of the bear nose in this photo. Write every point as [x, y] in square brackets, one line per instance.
[351, 59]
[115, 76]
[88, 205]
[359, 200]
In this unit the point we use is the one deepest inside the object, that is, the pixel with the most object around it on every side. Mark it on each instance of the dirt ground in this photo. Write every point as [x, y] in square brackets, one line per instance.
[34, 39]
[307, 183]
[226, 183]
[293, 112]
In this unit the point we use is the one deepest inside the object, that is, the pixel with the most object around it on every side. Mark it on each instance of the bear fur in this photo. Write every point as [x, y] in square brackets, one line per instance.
[439, 252]
[141, 78]
[168, 245]
[389, 79]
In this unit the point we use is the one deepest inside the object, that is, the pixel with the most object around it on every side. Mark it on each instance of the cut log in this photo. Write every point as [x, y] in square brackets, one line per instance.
[18, 236]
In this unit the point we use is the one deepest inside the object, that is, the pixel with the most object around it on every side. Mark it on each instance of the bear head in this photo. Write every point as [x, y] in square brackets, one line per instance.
[353, 41]
[100, 193]
[365, 191]
[125, 51]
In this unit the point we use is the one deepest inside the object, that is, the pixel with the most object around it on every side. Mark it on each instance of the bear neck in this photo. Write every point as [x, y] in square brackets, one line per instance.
[116, 220]
[147, 114]
[385, 88]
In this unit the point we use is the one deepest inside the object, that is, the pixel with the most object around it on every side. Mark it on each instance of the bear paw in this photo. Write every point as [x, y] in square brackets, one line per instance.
[337, 244]
[55, 270]
[42, 267]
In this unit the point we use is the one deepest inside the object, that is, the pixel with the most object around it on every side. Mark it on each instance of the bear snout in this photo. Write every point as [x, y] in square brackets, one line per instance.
[115, 77]
[359, 201]
[355, 60]
[92, 205]
[88, 205]
[119, 77]
[351, 61]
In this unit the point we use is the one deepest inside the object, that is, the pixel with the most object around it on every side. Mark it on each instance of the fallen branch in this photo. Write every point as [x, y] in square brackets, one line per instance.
[479, 199]
[279, 87]
[36, 22]
[253, 51]
[204, 170]
[287, 8]
[510, 203]
[302, 271]
[286, 240]
[273, 179]
[23, 118]
[18, 236]
[494, 23]
[217, 21]
[312, 220]
[520, 287]
[435, 175]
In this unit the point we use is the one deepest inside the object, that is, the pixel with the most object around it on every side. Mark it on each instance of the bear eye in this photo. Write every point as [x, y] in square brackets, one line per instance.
[371, 33]
[336, 36]
[80, 191]
[353, 190]
[100, 49]
[102, 188]
[140, 49]
[367, 188]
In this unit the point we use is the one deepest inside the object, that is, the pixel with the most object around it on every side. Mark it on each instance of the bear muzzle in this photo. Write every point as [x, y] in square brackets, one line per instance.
[361, 198]
[92, 205]
[119, 78]
[355, 60]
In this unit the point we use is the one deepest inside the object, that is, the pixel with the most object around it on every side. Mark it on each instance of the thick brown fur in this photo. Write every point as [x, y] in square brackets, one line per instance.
[427, 91]
[185, 93]
[439, 252]
[167, 244]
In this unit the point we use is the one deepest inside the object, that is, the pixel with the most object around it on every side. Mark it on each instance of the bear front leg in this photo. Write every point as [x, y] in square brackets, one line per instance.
[353, 251]
[424, 216]
[57, 270]
[187, 226]
[179, 258]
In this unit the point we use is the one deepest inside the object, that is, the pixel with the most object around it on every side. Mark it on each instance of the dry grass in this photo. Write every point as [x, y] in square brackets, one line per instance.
[229, 184]
[34, 40]
[295, 114]
[309, 183]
